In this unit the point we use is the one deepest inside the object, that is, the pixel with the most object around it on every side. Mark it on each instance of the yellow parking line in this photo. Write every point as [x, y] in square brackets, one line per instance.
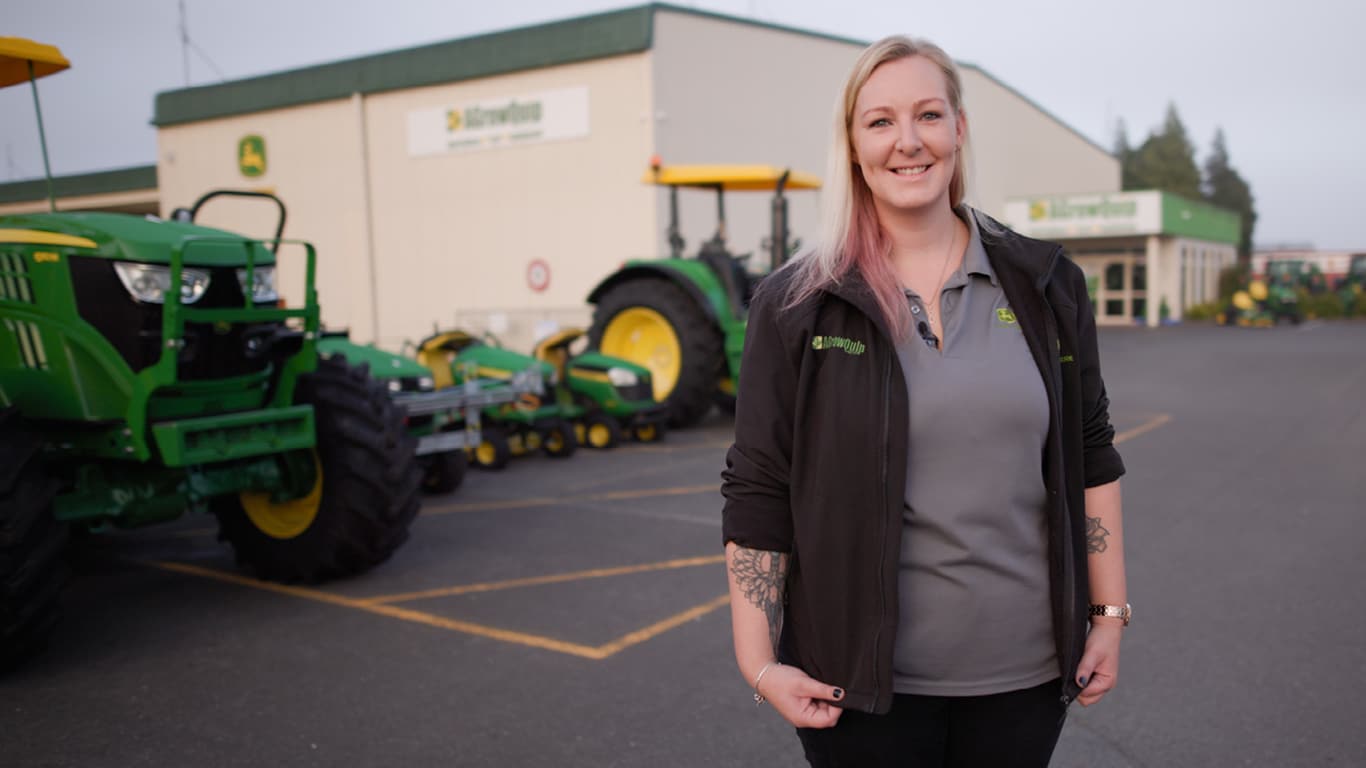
[549, 501]
[1148, 426]
[659, 628]
[469, 628]
[556, 578]
[370, 605]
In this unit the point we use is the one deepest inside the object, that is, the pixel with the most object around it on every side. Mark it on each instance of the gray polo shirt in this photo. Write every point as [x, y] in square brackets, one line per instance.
[974, 588]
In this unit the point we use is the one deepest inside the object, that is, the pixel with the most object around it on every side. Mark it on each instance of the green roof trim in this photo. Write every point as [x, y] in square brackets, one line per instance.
[1200, 220]
[76, 185]
[584, 38]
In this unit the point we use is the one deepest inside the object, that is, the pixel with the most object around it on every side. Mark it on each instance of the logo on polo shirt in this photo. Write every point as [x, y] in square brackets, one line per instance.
[1005, 317]
[851, 346]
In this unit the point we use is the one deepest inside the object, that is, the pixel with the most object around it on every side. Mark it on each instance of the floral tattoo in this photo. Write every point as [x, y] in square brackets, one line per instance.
[1095, 536]
[761, 576]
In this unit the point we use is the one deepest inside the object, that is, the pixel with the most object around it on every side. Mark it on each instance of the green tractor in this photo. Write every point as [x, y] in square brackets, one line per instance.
[684, 318]
[541, 418]
[1263, 303]
[447, 422]
[148, 368]
[616, 395]
[1296, 274]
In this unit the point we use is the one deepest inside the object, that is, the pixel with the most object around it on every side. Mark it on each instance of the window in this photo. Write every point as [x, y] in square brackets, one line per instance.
[1140, 276]
[1114, 277]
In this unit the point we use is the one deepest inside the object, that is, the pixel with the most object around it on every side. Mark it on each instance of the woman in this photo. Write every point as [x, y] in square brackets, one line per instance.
[922, 502]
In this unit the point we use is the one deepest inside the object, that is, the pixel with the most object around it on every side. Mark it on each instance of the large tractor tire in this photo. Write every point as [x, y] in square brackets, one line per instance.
[657, 324]
[32, 546]
[364, 498]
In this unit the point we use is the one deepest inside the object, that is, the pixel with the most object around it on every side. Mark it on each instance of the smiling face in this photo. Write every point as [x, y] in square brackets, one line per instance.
[906, 134]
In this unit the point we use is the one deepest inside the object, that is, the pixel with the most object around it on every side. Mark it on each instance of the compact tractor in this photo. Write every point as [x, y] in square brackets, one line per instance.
[616, 395]
[537, 418]
[149, 368]
[684, 318]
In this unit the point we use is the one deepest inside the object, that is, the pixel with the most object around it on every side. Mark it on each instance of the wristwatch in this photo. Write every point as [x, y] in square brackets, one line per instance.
[1113, 611]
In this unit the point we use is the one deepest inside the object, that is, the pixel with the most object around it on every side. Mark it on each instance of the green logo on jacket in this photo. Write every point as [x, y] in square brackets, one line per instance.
[837, 342]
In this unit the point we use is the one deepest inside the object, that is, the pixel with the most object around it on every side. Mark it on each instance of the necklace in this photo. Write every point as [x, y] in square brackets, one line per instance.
[939, 283]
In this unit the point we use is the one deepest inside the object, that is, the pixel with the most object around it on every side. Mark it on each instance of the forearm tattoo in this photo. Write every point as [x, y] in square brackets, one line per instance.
[1095, 536]
[761, 576]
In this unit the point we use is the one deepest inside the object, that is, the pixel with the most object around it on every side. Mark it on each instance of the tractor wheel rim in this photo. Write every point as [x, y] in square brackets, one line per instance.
[285, 519]
[486, 453]
[599, 435]
[646, 434]
[554, 442]
[646, 337]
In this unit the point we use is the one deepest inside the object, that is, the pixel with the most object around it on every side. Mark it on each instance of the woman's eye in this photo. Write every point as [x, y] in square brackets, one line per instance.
[878, 123]
[930, 116]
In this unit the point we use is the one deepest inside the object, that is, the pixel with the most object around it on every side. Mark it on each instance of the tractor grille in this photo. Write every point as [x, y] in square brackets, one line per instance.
[641, 391]
[15, 286]
[14, 280]
[134, 328]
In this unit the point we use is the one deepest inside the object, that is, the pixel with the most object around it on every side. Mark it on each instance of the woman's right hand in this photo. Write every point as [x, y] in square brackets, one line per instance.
[800, 699]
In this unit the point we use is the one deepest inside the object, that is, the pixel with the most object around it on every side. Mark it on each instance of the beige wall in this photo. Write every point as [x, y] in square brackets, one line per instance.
[455, 233]
[732, 93]
[452, 234]
[1018, 150]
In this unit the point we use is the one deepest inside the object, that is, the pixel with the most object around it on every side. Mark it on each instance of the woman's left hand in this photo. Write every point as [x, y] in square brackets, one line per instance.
[1099, 668]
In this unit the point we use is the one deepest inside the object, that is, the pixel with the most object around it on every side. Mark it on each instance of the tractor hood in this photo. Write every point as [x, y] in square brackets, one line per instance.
[596, 361]
[498, 363]
[122, 237]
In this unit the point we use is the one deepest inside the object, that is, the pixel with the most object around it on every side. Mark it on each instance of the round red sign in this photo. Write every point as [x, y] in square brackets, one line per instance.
[538, 275]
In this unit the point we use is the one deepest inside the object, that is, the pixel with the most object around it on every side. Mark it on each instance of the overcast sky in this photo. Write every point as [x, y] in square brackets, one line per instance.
[1283, 79]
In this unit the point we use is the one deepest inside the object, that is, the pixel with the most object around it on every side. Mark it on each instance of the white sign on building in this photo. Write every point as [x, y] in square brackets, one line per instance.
[529, 119]
[1103, 215]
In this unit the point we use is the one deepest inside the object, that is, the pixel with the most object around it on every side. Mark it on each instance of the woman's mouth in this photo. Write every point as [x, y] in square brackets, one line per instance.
[914, 170]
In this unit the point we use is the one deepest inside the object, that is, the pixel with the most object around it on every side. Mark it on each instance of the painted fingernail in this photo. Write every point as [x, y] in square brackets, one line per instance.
[1081, 681]
[839, 694]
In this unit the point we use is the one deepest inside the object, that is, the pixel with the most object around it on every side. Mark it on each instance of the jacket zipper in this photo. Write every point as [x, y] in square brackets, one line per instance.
[882, 548]
[1069, 575]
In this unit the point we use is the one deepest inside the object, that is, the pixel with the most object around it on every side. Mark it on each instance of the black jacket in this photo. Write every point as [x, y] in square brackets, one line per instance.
[818, 467]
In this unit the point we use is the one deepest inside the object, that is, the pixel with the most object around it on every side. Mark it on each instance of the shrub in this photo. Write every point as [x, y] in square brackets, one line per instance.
[1197, 313]
[1323, 305]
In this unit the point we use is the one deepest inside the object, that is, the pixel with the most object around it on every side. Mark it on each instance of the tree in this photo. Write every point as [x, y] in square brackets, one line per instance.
[1225, 188]
[1166, 161]
[1125, 154]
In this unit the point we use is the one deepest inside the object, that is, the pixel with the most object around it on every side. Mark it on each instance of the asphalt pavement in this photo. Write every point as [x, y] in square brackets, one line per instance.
[572, 612]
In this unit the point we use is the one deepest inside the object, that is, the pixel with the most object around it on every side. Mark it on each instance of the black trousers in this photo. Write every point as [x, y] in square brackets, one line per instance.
[1017, 729]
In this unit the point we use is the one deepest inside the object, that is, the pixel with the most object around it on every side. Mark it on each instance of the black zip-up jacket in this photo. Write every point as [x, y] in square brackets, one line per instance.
[818, 466]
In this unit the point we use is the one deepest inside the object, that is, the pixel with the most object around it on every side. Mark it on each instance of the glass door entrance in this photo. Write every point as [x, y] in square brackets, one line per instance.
[1122, 296]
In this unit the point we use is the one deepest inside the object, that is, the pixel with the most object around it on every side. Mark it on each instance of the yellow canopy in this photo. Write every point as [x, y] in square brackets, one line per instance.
[753, 178]
[16, 53]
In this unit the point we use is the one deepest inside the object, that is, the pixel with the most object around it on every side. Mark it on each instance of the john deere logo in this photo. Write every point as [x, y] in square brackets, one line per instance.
[251, 156]
[1005, 316]
[1038, 209]
[453, 120]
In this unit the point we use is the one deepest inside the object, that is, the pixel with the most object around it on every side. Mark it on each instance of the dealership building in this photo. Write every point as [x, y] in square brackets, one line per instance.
[490, 182]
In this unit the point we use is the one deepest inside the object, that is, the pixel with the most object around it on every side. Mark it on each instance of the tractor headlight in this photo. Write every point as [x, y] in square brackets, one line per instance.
[262, 284]
[621, 377]
[150, 282]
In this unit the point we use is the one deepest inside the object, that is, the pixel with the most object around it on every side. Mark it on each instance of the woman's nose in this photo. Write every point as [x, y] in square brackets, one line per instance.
[908, 140]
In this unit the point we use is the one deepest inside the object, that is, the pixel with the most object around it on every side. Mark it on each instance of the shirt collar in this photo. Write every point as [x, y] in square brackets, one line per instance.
[975, 261]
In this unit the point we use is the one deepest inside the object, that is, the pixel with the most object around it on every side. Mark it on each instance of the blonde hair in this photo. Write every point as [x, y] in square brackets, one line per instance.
[851, 237]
